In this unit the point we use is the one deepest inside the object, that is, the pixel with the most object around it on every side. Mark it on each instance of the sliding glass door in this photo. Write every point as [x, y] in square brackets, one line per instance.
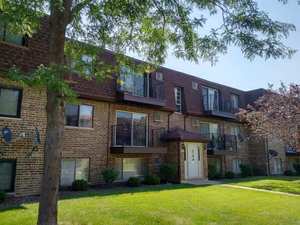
[131, 129]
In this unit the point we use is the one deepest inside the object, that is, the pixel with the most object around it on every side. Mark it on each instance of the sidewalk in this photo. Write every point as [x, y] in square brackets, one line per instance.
[261, 190]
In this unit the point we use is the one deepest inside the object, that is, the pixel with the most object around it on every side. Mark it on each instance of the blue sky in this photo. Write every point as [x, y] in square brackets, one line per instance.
[234, 70]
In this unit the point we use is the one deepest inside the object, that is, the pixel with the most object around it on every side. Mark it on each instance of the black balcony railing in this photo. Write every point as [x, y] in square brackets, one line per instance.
[211, 103]
[136, 136]
[220, 142]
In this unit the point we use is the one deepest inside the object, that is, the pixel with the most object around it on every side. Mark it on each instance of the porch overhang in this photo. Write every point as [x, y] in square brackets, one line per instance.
[178, 134]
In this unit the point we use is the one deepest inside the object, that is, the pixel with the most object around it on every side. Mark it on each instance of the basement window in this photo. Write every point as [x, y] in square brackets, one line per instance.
[74, 169]
[7, 175]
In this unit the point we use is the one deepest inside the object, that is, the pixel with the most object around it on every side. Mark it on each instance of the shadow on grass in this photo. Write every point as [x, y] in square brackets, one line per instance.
[101, 192]
[14, 207]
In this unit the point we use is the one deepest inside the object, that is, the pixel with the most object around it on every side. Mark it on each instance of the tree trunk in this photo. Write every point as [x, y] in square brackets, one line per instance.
[55, 119]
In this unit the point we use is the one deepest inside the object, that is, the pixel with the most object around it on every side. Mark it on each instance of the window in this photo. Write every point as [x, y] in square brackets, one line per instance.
[131, 129]
[159, 76]
[10, 102]
[7, 175]
[79, 115]
[210, 97]
[133, 167]
[196, 122]
[234, 101]
[10, 37]
[85, 64]
[236, 166]
[178, 98]
[277, 166]
[74, 169]
[133, 83]
[209, 129]
[235, 130]
[157, 116]
[88, 61]
[194, 85]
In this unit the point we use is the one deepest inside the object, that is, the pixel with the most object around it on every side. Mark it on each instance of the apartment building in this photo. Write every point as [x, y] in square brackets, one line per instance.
[133, 123]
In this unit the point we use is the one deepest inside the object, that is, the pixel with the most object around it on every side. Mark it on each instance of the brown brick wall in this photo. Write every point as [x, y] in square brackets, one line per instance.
[33, 114]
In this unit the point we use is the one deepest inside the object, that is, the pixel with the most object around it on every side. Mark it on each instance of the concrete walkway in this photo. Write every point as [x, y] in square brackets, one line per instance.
[200, 182]
[261, 190]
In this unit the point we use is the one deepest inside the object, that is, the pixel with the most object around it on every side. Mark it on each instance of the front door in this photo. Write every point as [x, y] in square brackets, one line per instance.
[193, 157]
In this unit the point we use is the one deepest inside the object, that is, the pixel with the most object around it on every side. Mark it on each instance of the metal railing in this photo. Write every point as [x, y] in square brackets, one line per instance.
[136, 136]
[211, 104]
[221, 142]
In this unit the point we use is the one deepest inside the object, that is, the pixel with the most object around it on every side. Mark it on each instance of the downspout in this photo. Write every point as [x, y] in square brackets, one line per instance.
[268, 157]
[108, 135]
[184, 122]
[178, 160]
[169, 120]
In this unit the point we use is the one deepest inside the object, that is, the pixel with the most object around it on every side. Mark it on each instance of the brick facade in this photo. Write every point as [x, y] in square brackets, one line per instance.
[95, 143]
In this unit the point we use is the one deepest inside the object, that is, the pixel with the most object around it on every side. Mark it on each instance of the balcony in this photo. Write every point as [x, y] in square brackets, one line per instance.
[147, 100]
[142, 89]
[211, 107]
[137, 140]
[225, 143]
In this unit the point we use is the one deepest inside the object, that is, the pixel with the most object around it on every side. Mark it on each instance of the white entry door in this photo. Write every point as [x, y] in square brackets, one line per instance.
[193, 161]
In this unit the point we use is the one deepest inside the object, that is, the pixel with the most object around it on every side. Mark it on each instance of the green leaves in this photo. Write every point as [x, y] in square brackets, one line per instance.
[150, 28]
[43, 76]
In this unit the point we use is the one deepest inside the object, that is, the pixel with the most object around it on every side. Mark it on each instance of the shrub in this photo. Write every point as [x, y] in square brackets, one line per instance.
[246, 170]
[288, 173]
[152, 180]
[297, 168]
[2, 196]
[229, 175]
[134, 182]
[79, 185]
[167, 172]
[109, 175]
[258, 172]
[212, 171]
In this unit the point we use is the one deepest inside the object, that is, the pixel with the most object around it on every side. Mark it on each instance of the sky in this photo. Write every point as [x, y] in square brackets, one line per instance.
[236, 71]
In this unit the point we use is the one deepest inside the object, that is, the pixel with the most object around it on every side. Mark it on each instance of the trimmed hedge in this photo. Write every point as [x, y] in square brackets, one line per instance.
[246, 170]
[167, 172]
[134, 182]
[109, 175]
[151, 180]
[2, 196]
[229, 175]
[79, 185]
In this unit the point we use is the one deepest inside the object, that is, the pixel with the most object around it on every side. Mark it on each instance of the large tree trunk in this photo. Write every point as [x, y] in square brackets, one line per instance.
[55, 119]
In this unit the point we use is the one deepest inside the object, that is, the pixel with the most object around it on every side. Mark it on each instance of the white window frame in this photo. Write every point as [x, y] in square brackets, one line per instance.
[159, 76]
[212, 92]
[178, 98]
[115, 136]
[234, 97]
[236, 166]
[195, 85]
[75, 160]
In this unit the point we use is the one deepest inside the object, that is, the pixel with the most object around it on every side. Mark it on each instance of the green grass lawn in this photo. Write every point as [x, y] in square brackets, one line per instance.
[283, 184]
[175, 204]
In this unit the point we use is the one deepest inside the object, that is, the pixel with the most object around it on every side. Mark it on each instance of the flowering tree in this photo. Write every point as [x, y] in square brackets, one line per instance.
[275, 115]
